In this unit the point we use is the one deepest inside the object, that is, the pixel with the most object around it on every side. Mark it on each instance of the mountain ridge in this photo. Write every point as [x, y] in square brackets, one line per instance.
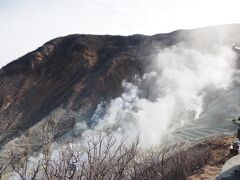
[74, 73]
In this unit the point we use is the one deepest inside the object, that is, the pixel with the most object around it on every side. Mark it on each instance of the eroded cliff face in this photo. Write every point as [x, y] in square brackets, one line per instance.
[72, 75]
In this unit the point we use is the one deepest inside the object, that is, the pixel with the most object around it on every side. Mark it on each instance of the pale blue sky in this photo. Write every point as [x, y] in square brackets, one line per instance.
[27, 24]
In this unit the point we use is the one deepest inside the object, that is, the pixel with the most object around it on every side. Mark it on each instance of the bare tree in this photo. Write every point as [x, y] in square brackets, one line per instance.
[46, 143]
[18, 156]
[101, 156]
[63, 165]
[108, 158]
[4, 162]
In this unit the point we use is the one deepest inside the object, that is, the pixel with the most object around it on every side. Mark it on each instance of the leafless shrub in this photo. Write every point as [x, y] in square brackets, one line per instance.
[46, 143]
[4, 162]
[102, 156]
[107, 158]
[168, 165]
[18, 157]
[62, 166]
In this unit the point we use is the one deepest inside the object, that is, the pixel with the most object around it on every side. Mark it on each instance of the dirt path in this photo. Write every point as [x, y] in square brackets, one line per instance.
[208, 172]
[219, 155]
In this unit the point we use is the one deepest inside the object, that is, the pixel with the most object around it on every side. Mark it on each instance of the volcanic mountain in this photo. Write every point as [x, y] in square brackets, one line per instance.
[63, 81]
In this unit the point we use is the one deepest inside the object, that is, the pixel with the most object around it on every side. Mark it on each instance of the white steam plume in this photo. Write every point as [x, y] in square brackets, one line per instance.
[171, 95]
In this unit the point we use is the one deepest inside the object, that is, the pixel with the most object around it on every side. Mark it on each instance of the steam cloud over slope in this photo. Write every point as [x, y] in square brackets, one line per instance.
[183, 84]
[173, 94]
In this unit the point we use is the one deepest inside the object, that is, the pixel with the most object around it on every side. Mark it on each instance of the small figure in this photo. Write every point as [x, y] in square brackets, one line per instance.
[238, 124]
[234, 148]
[235, 122]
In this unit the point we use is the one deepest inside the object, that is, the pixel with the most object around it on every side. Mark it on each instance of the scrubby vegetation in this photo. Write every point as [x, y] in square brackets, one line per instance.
[102, 157]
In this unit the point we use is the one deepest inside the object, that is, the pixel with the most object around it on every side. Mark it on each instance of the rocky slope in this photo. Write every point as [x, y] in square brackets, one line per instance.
[63, 81]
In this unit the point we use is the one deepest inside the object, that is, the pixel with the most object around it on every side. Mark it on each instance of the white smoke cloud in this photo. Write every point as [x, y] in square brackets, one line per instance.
[171, 95]
[176, 92]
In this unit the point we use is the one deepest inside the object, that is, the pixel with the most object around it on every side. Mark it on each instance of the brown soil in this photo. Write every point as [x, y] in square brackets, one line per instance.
[219, 155]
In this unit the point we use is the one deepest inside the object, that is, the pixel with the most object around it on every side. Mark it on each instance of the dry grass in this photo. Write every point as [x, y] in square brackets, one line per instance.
[219, 149]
